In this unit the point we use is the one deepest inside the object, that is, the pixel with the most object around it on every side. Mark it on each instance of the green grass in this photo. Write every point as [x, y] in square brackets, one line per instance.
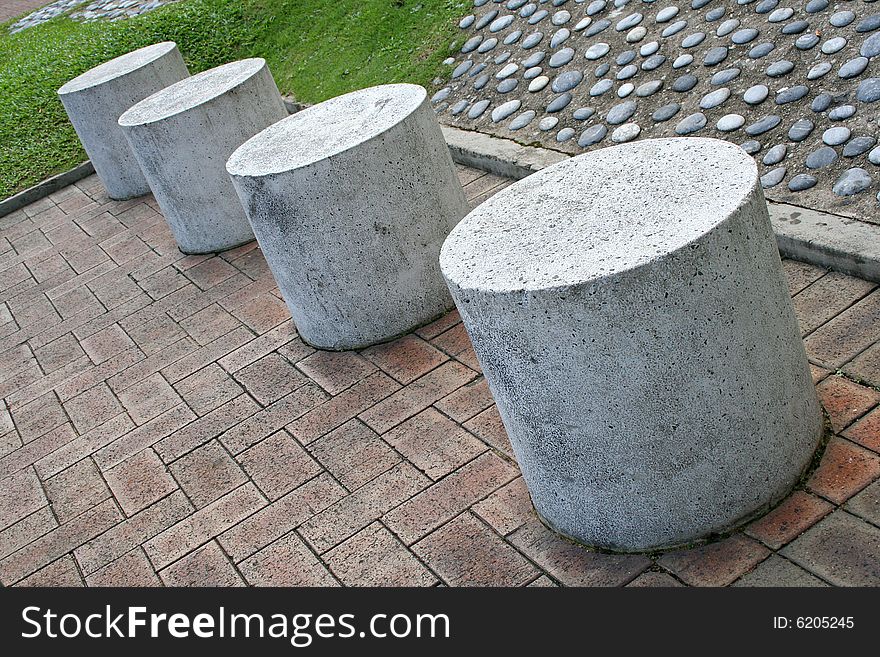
[316, 49]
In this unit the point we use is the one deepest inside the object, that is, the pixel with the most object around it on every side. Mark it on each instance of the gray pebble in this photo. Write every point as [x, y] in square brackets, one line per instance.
[763, 125]
[504, 110]
[842, 18]
[869, 90]
[583, 113]
[858, 145]
[715, 56]
[649, 88]
[833, 45]
[522, 120]
[692, 40]
[874, 156]
[819, 70]
[791, 94]
[806, 41]
[821, 102]
[653, 62]
[821, 157]
[836, 136]
[567, 81]
[756, 95]
[625, 133]
[761, 50]
[730, 122]
[532, 40]
[592, 135]
[597, 50]
[558, 103]
[744, 36]
[782, 67]
[868, 24]
[691, 124]
[506, 86]
[478, 108]
[561, 57]
[547, 123]
[853, 67]
[627, 72]
[673, 29]
[684, 83]
[773, 178]
[714, 98]
[725, 76]
[751, 147]
[801, 182]
[621, 113]
[800, 130]
[842, 113]
[775, 155]
[665, 112]
[852, 181]
[565, 134]
[682, 60]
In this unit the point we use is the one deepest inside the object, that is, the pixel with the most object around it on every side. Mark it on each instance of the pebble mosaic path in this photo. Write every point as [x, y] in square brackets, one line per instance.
[796, 84]
[162, 423]
[87, 11]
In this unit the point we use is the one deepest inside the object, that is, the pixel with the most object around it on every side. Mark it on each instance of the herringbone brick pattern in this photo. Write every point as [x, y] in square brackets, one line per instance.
[163, 424]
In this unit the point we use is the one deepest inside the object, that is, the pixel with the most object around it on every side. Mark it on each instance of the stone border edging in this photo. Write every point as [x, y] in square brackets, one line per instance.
[46, 187]
[819, 238]
[827, 240]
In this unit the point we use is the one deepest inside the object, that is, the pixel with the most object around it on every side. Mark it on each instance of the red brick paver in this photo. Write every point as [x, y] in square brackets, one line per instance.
[162, 423]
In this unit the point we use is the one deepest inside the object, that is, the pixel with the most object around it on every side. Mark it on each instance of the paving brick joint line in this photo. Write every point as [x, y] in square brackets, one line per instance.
[163, 424]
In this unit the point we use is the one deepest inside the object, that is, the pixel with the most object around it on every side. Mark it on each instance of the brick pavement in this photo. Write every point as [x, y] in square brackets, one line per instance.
[162, 423]
[14, 8]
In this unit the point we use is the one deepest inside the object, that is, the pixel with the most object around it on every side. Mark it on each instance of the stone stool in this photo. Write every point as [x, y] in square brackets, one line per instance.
[350, 201]
[629, 310]
[95, 100]
[182, 137]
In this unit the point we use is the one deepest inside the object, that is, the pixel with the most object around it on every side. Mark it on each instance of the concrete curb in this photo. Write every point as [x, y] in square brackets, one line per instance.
[819, 238]
[46, 187]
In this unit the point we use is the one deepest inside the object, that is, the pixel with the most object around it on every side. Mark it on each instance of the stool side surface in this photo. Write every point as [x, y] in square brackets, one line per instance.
[191, 92]
[326, 129]
[117, 67]
[598, 214]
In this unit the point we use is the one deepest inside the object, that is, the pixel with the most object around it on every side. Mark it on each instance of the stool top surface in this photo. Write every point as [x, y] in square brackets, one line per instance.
[191, 92]
[326, 129]
[598, 214]
[118, 67]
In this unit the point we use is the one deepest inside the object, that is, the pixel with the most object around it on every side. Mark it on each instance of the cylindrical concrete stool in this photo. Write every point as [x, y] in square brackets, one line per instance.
[351, 200]
[630, 313]
[182, 137]
[95, 100]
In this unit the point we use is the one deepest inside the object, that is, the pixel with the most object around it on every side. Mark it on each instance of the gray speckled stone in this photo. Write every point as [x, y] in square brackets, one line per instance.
[762, 50]
[833, 45]
[592, 135]
[744, 36]
[602, 69]
[481, 81]
[795, 27]
[821, 102]
[775, 155]
[487, 45]
[534, 59]
[693, 40]
[780, 68]
[626, 132]
[874, 156]
[538, 83]
[513, 37]
[520, 245]
[730, 122]
[667, 14]
[505, 109]
[691, 124]
[807, 41]
[836, 136]
[597, 51]
[595, 7]
[791, 94]
[627, 72]
[477, 109]
[682, 60]
[858, 145]
[621, 113]
[842, 113]
[821, 157]
[714, 14]
[522, 120]
[597, 27]
[567, 81]
[532, 73]
[773, 178]
[802, 182]
[868, 24]
[871, 46]
[800, 130]
[560, 102]
[852, 181]
[763, 125]
[780, 15]
[653, 62]
[714, 98]
[629, 22]
[625, 57]
[506, 86]
[684, 83]
[601, 87]
[853, 67]
[507, 71]
[756, 95]
[665, 112]
[715, 56]
[532, 40]
[649, 88]
[751, 146]
[819, 70]
[842, 18]
[565, 134]
[674, 28]
[648, 49]
[815, 6]
[583, 113]
[725, 76]
[561, 57]
[868, 90]
[727, 27]
[625, 89]
[548, 123]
